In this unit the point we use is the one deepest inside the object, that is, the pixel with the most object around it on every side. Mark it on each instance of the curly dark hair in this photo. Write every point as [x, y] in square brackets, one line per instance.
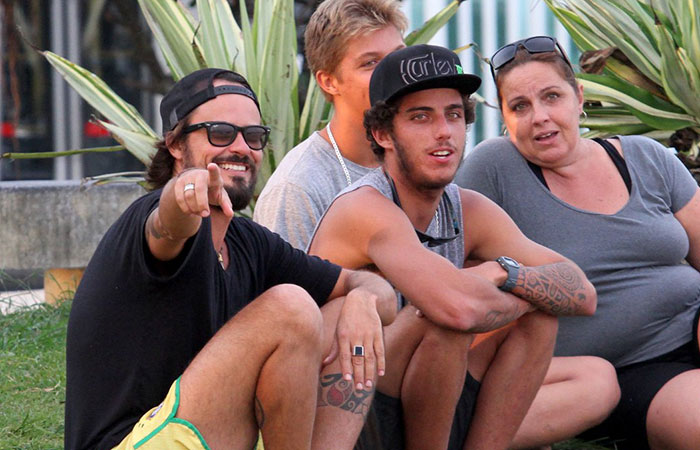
[381, 117]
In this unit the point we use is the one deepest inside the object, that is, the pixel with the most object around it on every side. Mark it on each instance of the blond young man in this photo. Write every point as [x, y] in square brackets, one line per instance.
[344, 41]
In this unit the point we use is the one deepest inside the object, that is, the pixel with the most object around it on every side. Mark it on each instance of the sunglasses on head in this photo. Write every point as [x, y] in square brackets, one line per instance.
[221, 134]
[535, 44]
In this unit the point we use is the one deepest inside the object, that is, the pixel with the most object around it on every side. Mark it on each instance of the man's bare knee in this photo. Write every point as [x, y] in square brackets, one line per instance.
[538, 326]
[442, 339]
[293, 312]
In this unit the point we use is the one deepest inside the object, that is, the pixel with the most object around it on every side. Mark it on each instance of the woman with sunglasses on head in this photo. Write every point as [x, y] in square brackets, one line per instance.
[628, 213]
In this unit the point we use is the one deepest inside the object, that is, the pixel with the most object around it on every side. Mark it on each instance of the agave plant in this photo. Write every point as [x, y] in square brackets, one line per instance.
[263, 49]
[641, 64]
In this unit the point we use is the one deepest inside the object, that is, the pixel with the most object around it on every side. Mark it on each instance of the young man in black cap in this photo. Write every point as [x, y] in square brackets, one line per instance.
[214, 314]
[408, 222]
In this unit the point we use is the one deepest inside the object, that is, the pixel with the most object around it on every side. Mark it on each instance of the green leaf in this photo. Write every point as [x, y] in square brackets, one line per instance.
[251, 62]
[140, 145]
[692, 31]
[316, 111]
[648, 108]
[615, 26]
[40, 155]
[630, 74]
[216, 48]
[100, 96]
[675, 78]
[624, 123]
[432, 25]
[580, 33]
[174, 30]
[278, 82]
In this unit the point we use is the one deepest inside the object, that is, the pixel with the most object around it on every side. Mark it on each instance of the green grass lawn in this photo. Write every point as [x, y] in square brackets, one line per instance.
[33, 380]
[33, 377]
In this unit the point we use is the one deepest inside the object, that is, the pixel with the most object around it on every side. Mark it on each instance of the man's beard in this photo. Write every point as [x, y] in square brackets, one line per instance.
[240, 193]
[410, 170]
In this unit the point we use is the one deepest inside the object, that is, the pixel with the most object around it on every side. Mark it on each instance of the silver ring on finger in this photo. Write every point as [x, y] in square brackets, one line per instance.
[189, 187]
[358, 350]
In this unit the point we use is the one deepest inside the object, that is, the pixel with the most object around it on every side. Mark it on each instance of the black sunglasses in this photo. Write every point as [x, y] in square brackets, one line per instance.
[221, 134]
[423, 237]
[535, 44]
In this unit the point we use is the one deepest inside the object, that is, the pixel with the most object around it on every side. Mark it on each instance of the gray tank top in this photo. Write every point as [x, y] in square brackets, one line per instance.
[449, 213]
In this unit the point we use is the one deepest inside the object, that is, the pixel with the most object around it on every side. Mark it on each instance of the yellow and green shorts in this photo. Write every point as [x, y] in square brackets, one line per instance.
[160, 429]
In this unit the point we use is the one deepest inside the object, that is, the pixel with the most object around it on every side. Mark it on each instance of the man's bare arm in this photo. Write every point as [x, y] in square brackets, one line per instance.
[371, 286]
[179, 212]
[557, 289]
[350, 236]
[547, 280]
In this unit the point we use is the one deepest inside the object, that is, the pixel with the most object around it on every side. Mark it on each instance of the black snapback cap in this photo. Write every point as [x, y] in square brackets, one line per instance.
[197, 88]
[417, 68]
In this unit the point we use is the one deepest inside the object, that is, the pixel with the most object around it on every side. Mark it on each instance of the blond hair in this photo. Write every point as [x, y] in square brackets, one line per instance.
[336, 22]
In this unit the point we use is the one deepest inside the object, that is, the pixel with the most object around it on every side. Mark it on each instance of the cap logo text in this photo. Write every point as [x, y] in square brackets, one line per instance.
[419, 67]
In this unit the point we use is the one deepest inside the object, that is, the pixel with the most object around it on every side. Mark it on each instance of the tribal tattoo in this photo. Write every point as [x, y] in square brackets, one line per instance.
[335, 391]
[555, 288]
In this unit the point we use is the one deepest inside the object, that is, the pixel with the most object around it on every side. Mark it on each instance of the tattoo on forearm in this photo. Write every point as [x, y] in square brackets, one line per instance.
[259, 413]
[333, 390]
[151, 226]
[497, 319]
[555, 288]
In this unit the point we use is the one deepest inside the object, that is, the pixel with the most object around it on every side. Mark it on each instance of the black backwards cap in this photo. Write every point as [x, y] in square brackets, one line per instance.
[197, 88]
[417, 68]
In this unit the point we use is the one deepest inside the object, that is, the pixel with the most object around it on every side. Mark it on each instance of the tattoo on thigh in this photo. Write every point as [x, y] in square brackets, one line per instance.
[259, 413]
[333, 390]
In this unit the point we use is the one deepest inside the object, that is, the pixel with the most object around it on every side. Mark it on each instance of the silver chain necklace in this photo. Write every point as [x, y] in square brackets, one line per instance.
[338, 155]
[347, 173]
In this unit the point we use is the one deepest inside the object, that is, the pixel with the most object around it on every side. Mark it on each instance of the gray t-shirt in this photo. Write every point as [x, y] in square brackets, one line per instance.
[646, 296]
[301, 188]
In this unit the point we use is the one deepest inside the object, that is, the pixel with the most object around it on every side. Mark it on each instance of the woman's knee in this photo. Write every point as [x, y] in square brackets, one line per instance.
[600, 379]
[673, 418]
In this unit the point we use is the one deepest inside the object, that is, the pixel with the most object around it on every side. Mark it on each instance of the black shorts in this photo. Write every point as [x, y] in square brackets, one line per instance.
[390, 426]
[639, 383]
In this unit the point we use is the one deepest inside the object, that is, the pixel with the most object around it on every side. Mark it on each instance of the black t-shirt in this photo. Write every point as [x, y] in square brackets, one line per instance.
[133, 329]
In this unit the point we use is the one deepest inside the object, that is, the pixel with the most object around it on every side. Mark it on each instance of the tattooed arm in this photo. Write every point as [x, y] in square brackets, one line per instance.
[560, 289]
[547, 280]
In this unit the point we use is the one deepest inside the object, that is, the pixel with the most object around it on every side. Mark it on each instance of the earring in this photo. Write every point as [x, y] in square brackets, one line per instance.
[584, 116]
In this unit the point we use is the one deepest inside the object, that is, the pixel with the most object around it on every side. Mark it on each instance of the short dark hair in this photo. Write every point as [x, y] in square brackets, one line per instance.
[381, 117]
[162, 166]
[522, 56]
